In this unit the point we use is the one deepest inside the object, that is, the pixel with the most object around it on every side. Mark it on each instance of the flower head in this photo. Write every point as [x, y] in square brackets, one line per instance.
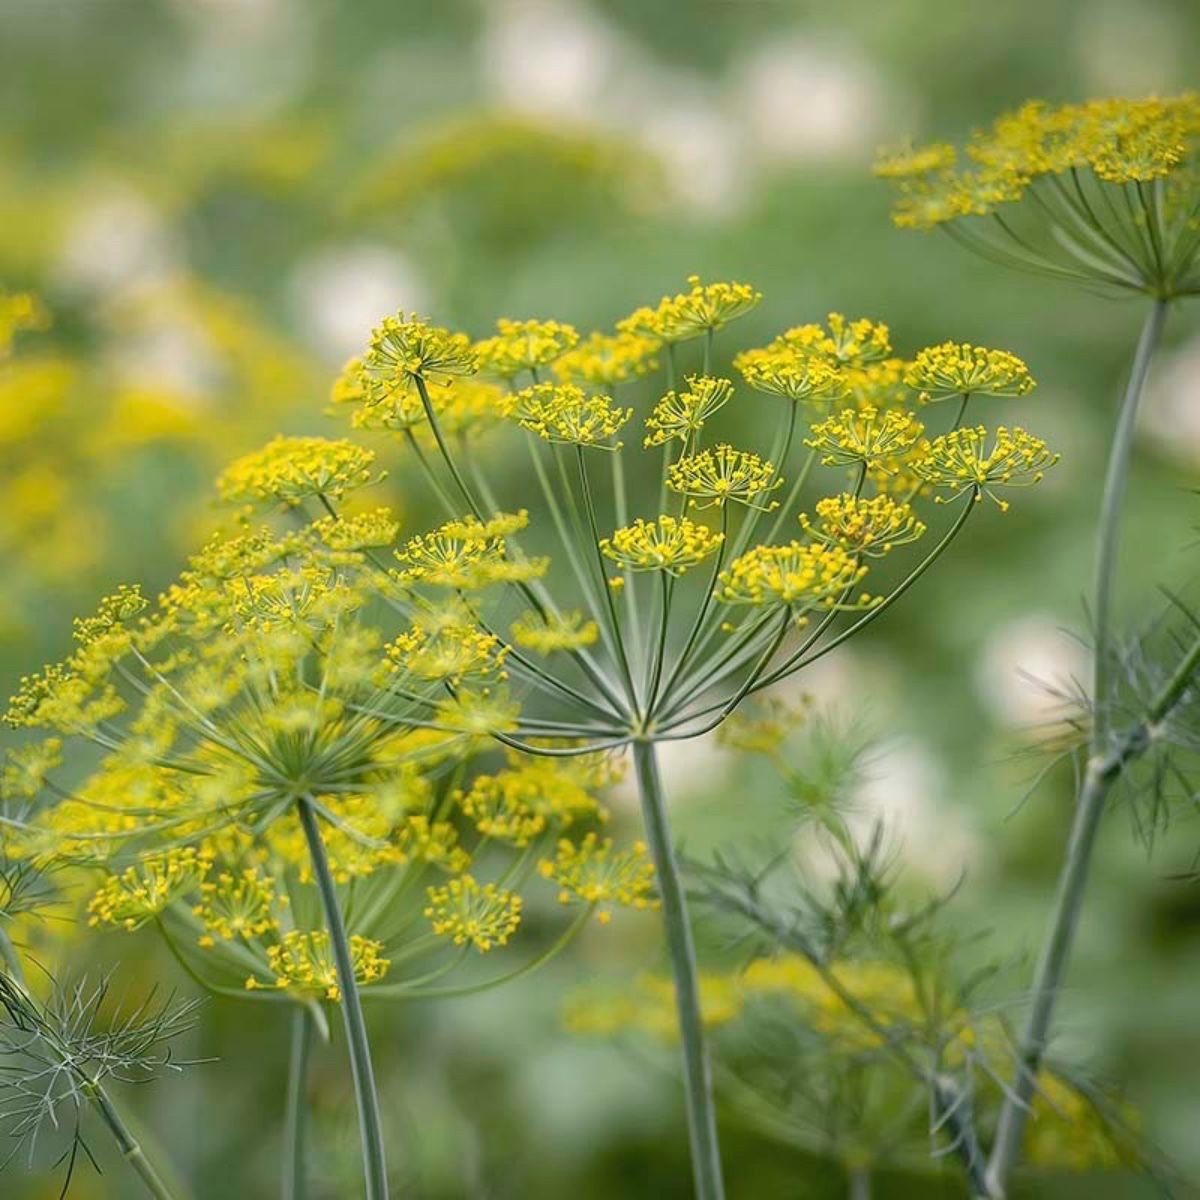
[595, 873]
[782, 370]
[524, 346]
[404, 349]
[671, 544]
[797, 576]
[960, 369]
[303, 962]
[605, 360]
[237, 905]
[473, 914]
[290, 470]
[681, 415]
[139, 893]
[965, 460]
[865, 437]
[713, 477]
[562, 412]
[871, 527]
[704, 308]
[554, 632]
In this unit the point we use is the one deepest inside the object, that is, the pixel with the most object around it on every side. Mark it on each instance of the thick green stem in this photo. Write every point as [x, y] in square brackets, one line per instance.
[370, 1128]
[859, 1184]
[697, 1073]
[294, 1130]
[130, 1147]
[1104, 766]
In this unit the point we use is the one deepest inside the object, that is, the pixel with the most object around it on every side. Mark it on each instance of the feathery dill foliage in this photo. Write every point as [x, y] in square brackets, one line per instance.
[1105, 193]
[849, 1027]
[575, 625]
[60, 1053]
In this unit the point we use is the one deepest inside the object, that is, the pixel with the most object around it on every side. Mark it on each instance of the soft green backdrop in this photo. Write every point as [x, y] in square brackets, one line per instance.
[216, 197]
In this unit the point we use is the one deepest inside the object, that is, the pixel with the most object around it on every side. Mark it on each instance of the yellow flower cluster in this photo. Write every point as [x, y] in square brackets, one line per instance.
[714, 477]
[364, 531]
[964, 460]
[237, 905]
[447, 651]
[524, 346]
[593, 872]
[671, 544]
[870, 527]
[960, 369]
[464, 555]
[1066, 1131]
[303, 962]
[865, 437]
[702, 309]
[681, 416]
[607, 359]
[404, 349]
[290, 470]
[564, 413]
[795, 576]
[472, 914]
[123, 605]
[139, 893]
[554, 632]
[1117, 141]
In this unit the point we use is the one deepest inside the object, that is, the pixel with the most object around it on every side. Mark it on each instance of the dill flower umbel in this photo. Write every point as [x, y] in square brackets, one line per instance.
[482, 916]
[563, 412]
[1106, 190]
[303, 962]
[288, 470]
[524, 346]
[964, 460]
[960, 369]
[237, 905]
[870, 527]
[605, 360]
[797, 375]
[593, 872]
[681, 415]
[140, 893]
[796, 576]
[670, 544]
[703, 309]
[404, 351]
[714, 477]
[554, 632]
[865, 438]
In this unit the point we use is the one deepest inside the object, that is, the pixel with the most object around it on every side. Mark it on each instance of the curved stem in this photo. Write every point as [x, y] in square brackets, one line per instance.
[697, 1073]
[370, 1128]
[1104, 765]
[293, 1175]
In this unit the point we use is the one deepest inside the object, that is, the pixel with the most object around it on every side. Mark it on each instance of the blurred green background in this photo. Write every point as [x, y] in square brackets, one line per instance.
[216, 198]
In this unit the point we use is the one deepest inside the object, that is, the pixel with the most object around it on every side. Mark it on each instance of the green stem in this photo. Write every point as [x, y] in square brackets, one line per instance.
[370, 1128]
[130, 1147]
[1104, 766]
[293, 1183]
[697, 1073]
[1110, 517]
[858, 1184]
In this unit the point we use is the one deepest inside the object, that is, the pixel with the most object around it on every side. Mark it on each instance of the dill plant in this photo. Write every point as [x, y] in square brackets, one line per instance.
[654, 628]
[1105, 195]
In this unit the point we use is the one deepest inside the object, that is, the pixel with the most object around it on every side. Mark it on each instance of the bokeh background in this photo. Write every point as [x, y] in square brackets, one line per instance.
[215, 199]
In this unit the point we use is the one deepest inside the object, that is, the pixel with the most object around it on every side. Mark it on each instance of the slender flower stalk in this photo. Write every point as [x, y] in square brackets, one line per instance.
[369, 1122]
[697, 1072]
[1099, 776]
[293, 1180]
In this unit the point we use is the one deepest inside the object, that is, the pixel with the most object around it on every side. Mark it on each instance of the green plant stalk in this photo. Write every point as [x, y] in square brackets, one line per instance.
[130, 1147]
[296, 1122]
[1102, 771]
[370, 1128]
[697, 1072]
